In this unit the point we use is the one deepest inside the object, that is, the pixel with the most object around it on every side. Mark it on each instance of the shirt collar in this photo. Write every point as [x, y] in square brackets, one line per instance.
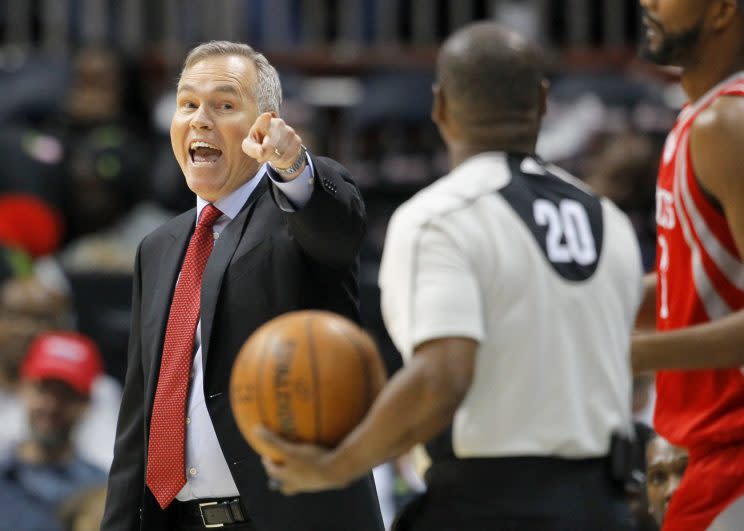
[231, 205]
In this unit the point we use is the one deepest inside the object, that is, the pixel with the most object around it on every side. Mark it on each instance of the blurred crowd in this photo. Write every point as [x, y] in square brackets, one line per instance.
[88, 171]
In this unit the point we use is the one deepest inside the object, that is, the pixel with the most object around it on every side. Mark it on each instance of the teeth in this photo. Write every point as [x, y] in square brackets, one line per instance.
[200, 144]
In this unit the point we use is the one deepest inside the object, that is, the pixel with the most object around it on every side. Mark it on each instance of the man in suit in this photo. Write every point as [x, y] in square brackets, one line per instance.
[274, 230]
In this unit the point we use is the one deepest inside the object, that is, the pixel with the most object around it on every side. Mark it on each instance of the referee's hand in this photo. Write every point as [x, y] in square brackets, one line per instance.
[302, 467]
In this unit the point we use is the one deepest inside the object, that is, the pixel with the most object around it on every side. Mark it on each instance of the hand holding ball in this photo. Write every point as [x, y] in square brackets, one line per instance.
[309, 376]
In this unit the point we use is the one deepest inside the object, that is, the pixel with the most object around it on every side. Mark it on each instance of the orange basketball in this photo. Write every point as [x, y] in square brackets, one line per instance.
[309, 376]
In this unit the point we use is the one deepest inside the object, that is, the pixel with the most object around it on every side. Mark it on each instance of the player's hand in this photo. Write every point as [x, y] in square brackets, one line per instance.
[272, 140]
[303, 468]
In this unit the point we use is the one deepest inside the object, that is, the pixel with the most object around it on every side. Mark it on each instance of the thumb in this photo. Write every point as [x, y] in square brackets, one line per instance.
[269, 437]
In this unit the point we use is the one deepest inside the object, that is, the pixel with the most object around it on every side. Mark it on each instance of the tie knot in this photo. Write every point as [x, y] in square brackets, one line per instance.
[209, 215]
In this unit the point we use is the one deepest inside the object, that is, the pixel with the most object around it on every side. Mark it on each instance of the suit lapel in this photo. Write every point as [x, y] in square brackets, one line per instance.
[224, 249]
[171, 259]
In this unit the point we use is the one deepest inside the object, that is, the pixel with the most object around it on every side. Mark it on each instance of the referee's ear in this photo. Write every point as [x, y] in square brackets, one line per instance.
[437, 105]
[543, 104]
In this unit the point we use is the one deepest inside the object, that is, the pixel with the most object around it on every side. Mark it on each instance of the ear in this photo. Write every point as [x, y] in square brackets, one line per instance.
[438, 104]
[724, 13]
[543, 104]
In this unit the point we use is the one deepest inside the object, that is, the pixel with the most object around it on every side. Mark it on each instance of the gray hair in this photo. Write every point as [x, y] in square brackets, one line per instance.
[267, 89]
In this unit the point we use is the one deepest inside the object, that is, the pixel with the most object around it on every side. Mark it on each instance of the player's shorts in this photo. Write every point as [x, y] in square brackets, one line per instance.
[713, 485]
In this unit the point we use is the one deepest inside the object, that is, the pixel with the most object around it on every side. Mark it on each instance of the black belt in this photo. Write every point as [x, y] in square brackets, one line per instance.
[219, 512]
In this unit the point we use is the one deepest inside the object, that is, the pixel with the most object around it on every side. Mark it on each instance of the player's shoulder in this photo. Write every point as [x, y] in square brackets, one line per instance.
[716, 137]
[721, 123]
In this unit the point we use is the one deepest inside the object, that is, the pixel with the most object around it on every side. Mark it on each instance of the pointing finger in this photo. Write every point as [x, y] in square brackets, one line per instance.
[252, 144]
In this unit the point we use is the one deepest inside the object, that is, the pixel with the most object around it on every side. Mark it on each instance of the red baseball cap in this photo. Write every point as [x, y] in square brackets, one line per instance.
[67, 356]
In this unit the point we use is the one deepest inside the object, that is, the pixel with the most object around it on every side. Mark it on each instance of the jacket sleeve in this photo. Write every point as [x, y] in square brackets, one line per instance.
[330, 227]
[126, 478]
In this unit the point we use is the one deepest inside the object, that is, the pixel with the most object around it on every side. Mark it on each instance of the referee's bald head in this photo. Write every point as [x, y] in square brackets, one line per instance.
[491, 73]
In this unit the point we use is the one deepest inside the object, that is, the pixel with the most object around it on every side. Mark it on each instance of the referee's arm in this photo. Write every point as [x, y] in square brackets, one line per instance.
[417, 404]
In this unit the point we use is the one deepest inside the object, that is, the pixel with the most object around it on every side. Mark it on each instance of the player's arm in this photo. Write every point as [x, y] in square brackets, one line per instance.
[716, 144]
[646, 318]
[417, 404]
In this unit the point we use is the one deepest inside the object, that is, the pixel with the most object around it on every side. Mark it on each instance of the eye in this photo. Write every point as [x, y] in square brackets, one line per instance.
[226, 106]
[657, 477]
[187, 104]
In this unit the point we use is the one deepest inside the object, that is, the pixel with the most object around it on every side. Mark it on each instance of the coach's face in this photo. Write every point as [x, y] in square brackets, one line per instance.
[215, 109]
[665, 466]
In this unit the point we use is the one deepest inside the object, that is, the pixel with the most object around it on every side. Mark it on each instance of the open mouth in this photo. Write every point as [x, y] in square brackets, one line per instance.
[203, 153]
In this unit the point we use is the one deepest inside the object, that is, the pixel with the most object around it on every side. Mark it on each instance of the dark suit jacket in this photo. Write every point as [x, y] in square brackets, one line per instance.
[265, 263]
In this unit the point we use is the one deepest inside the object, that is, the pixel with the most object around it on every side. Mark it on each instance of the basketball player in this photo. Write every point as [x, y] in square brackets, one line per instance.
[698, 289]
[511, 291]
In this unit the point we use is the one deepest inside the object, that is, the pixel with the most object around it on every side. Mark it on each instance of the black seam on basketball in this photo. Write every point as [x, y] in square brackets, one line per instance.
[365, 367]
[314, 368]
[258, 374]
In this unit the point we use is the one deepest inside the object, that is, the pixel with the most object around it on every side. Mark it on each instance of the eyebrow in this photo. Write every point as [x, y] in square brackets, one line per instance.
[226, 89]
[668, 462]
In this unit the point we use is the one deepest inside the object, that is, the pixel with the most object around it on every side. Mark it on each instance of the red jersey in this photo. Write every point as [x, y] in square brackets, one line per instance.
[700, 277]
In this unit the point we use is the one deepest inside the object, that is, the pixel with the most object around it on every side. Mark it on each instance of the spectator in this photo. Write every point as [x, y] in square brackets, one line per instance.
[27, 309]
[665, 466]
[57, 375]
[106, 151]
[635, 487]
[105, 148]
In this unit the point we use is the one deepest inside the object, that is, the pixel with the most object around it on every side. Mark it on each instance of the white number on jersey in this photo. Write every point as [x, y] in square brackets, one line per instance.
[569, 235]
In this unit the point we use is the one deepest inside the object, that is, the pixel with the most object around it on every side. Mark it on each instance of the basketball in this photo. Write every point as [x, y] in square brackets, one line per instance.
[309, 376]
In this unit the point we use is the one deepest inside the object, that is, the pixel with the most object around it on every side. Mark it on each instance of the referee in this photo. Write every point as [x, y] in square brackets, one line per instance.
[511, 291]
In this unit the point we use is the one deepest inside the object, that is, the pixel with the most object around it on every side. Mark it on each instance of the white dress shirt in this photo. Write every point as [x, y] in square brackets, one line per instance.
[207, 473]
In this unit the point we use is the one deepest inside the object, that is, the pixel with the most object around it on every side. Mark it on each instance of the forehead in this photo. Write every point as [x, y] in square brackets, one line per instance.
[660, 451]
[51, 385]
[219, 73]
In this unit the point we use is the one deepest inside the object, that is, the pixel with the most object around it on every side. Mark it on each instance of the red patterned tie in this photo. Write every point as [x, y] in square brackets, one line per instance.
[166, 474]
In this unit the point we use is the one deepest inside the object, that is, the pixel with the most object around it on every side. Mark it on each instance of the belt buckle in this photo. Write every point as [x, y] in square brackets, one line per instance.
[204, 519]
